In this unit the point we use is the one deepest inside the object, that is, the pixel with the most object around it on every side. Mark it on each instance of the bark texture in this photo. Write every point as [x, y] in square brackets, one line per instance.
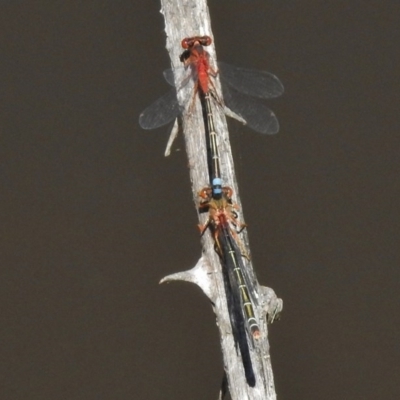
[185, 18]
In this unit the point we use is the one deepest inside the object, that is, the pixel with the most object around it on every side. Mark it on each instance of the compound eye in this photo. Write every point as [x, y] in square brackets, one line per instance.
[185, 43]
[206, 41]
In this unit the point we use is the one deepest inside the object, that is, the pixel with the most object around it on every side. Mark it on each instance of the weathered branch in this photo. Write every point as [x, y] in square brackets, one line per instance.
[185, 18]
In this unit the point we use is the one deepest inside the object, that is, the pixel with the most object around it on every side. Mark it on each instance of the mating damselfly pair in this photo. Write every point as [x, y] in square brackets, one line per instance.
[240, 89]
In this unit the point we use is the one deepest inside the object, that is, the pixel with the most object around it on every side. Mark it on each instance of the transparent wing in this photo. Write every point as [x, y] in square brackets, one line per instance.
[251, 82]
[169, 76]
[161, 112]
[186, 77]
[241, 87]
[258, 117]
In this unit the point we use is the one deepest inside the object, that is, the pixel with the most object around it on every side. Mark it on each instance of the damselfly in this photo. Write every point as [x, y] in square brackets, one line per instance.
[197, 59]
[240, 88]
[222, 220]
[225, 227]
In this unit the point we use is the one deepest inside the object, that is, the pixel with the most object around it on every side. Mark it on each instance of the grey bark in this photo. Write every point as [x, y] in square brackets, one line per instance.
[185, 18]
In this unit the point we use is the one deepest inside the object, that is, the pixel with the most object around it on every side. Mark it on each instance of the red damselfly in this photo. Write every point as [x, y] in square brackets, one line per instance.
[241, 90]
[198, 60]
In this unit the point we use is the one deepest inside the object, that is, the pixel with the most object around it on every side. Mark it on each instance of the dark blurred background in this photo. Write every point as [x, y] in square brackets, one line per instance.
[93, 215]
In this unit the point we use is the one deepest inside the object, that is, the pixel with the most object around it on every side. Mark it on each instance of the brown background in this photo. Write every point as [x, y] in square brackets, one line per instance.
[93, 215]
